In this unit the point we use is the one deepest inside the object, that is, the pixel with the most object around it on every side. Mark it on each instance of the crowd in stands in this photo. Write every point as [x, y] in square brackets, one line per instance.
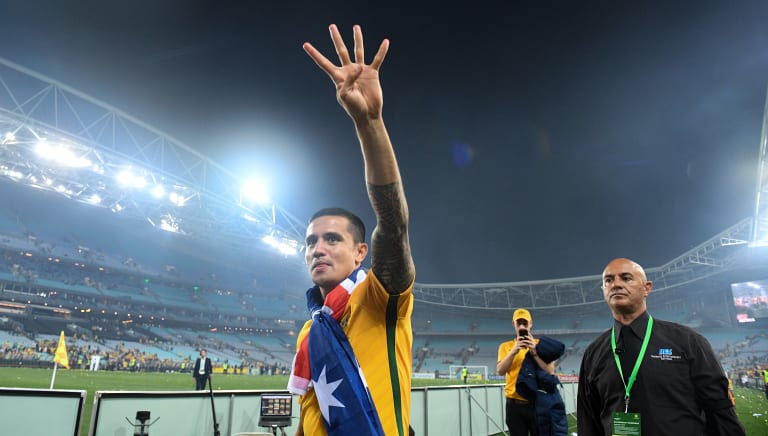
[745, 359]
[118, 298]
[54, 282]
[122, 356]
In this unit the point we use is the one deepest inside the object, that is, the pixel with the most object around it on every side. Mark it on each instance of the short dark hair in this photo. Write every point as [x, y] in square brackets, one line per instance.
[356, 225]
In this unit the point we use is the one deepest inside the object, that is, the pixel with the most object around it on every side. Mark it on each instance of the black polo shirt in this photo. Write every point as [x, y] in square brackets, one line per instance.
[681, 389]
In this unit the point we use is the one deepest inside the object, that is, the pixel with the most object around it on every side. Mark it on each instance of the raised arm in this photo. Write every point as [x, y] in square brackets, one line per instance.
[358, 90]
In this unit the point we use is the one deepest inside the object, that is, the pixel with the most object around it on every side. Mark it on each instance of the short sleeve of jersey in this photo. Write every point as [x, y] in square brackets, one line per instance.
[504, 350]
[376, 298]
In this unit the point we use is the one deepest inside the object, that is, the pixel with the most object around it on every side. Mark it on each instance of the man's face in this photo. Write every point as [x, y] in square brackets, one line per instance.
[332, 253]
[625, 287]
[202, 353]
[524, 325]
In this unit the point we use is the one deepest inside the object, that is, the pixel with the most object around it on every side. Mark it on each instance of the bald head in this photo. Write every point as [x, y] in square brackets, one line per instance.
[626, 264]
[625, 289]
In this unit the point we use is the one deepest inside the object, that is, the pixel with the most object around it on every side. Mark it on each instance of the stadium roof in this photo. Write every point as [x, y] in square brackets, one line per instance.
[55, 138]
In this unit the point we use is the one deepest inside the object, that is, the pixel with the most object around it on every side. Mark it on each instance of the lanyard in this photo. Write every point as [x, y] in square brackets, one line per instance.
[633, 376]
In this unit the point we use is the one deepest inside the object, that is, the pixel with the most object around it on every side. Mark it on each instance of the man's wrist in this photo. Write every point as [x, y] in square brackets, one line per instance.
[367, 126]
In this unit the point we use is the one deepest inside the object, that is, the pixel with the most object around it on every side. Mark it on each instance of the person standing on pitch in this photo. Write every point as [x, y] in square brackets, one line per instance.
[648, 376]
[765, 381]
[520, 413]
[202, 370]
[358, 315]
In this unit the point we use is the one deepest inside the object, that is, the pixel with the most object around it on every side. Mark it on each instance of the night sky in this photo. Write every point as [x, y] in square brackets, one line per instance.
[536, 140]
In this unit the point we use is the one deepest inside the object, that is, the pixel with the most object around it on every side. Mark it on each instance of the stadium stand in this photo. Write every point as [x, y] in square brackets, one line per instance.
[137, 310]
[146, 310]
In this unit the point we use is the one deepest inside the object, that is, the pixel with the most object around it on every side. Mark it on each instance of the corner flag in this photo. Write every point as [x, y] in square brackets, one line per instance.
[61, 352]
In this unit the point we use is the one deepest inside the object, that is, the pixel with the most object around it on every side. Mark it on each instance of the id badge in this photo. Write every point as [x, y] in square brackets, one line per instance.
[625, 424]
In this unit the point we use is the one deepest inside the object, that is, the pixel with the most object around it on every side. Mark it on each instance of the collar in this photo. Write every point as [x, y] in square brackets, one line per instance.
[335, 299]
[637, 326]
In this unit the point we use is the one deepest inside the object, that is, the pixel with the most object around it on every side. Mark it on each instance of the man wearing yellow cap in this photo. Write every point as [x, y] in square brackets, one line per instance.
[520, 413]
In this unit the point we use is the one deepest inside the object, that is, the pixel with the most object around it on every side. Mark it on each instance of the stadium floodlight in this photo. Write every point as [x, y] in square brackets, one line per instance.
[13, 174]
[125, 177]
[169, 225]
[177, 199]
[61, 155]
[95, 199]
[158, 191]
[131, 179]
[63, 189]
[286, 247]
[255, 192]
[10, 138]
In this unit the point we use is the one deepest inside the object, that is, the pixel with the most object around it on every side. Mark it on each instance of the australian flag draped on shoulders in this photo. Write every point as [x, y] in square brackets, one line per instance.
[326, 358]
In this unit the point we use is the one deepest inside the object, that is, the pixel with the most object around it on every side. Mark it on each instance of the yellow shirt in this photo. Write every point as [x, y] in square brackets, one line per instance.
[378, 326]
[510, 390]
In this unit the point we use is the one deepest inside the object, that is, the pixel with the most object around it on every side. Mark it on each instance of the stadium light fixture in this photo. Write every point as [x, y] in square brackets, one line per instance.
[158, 191]
[169, 225]
[130, 179]
[63, 189]
[285, 246]
[13, 174]
[254, 192]
[61, 155]
[125, 177]
[177, 199]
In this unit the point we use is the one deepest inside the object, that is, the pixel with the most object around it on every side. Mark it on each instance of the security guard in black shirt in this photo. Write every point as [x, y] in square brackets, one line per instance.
[648, 376]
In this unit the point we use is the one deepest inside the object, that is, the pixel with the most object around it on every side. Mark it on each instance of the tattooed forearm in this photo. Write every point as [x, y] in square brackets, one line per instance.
[390, 249]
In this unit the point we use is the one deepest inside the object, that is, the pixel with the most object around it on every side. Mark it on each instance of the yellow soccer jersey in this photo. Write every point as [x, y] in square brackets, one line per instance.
[510, 390]
[378, 326]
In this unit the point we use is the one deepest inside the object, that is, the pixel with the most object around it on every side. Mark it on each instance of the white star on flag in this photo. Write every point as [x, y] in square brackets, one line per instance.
[325, 396]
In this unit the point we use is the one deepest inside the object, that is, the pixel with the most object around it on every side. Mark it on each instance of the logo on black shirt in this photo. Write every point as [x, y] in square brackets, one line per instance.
[665, 354]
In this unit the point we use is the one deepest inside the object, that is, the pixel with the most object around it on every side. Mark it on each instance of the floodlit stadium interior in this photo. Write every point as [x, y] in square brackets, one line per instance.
[143, 251]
